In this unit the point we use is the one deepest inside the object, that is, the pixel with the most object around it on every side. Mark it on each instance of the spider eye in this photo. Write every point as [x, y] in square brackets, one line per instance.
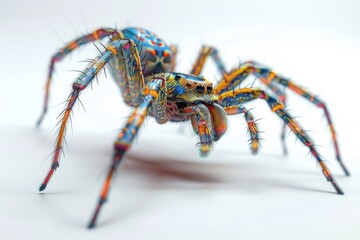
[177, 77]
[200, 89]
[209, 89]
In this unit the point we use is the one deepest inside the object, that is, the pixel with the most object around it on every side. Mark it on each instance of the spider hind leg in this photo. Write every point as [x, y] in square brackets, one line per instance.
[63, 52]
[80, 84]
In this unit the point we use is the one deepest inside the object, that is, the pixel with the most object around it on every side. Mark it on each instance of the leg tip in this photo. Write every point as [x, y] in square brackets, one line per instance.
[39, 121]
[344, 168]
[340, 192]
[42, 187]
[91, 225]
[254, 152]
[337, 188]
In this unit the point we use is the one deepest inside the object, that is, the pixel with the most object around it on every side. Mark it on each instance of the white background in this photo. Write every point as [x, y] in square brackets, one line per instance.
[164, 190]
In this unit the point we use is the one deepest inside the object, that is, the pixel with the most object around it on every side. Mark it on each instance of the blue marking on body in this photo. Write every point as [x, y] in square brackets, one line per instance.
[179, 90]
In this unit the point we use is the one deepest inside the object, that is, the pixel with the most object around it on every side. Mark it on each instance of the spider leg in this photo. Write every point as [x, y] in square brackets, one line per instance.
[238, 75]
[174, 51]
[234, 78]
[268, 75]
[240, 96]
[126, 136]
[252, 126]
[230, 79]
[201, 123]
[280, 95]
[80, 84]
[319, 103]
[205, 52]
[272, 80]
[59, 55]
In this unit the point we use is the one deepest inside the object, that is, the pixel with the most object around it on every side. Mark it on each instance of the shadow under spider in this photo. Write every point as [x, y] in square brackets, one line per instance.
[237, 176]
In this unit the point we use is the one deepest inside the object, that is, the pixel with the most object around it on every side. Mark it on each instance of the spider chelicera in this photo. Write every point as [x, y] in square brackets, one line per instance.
[142, 66]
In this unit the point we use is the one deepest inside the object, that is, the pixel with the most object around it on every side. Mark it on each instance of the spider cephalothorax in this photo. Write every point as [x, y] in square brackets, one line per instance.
[187, 95]
[143, 66]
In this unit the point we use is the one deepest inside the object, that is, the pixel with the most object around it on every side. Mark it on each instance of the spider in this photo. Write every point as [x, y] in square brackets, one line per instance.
[142, 66]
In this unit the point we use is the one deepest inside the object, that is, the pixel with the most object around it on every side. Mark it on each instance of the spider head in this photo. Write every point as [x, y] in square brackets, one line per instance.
[189, 89]
[156, 56]
[187, 92]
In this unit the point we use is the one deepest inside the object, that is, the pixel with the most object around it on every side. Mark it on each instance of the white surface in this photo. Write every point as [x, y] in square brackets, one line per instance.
[163, 189]
[171, 194]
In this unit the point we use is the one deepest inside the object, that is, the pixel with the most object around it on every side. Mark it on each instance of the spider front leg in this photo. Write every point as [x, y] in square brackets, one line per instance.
[127, 135]
[174, 52]
[240, 96]
[272, 80]
[233, 79]
[252, 126]
[205, 52]
[71, 46]
[80, 84]
[238, 75]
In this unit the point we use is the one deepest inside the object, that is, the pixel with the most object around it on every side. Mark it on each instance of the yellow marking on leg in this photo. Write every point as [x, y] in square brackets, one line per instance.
[237, 72]
[121, 35]
[226, 80]
[277, 107]
[205, 147]
[99, 66]
[112, 49]
[255, 144]
[204, 54]
[268, 80]
[256, 92]
[151, 92]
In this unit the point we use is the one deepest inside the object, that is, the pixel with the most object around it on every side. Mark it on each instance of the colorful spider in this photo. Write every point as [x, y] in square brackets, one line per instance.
[142, 66]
